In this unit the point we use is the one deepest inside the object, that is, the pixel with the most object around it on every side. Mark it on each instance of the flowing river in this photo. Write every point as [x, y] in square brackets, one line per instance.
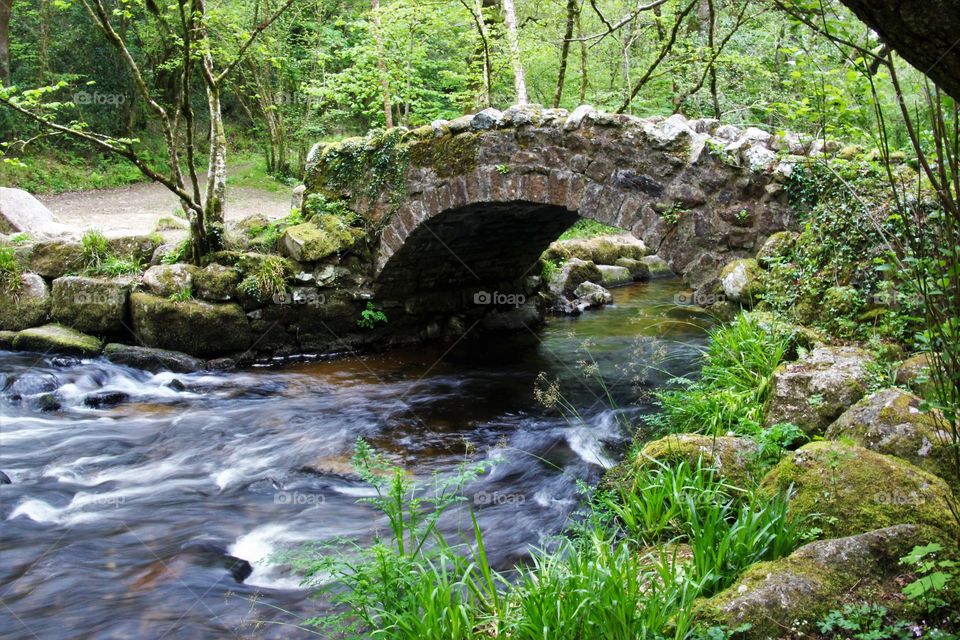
[135, 497]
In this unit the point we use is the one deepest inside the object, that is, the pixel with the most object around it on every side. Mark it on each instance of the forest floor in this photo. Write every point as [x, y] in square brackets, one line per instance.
[136, 209]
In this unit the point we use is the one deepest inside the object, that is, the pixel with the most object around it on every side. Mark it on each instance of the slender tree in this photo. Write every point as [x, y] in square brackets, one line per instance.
[513, 40]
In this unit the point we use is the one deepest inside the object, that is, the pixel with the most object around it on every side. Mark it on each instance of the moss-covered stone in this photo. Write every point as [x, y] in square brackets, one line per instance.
[197, 328]
[215, 282]
[6, 339]
[170, 279]
[891, 422]
[786, 597]
[55, 338]
[325, 235]
[658, 267]
[599, 250]
[27, 306]
[742, 280]
[449, 155]
[731, 458]
[137, 248]
[799, 336]
[92, 305]
[150, 359]
[571, 275]
[914, 372]
[846, 489]
[840, 303]
[813, 391]
[777, 246]
[55, 258]
[639, 271]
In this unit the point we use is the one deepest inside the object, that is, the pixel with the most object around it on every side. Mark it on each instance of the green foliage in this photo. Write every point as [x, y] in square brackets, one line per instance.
[549, 269]
[673, 215]
[733, 385]
[371, 317]
[873, 622]
[935, 577]
[178, 254]
[838, 275]
[10, 272]
[184, 295]
[95, 250]
[317, 204]
[263, 238]
[365, 166]
[588, 228]
[266, 278]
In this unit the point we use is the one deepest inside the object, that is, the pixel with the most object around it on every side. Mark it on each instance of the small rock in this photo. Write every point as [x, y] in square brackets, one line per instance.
[215, 282]
[105, 399]
[577, 115]
[486, 119]
[571, 275]
[4, 478]
[658, 266]
[589, 295]
[777, 246]
[741, 280]
[639, 271]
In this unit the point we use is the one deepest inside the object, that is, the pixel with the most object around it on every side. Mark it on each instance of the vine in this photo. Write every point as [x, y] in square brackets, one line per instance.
[366, 166]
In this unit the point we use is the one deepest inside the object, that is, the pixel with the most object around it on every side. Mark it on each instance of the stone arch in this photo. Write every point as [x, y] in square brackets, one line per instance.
[483, 194]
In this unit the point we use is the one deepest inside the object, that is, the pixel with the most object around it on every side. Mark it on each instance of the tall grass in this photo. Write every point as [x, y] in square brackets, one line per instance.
[735, 380]
[621, 577]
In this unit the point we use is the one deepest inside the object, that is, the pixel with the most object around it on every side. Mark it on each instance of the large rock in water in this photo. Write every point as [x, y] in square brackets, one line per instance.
[729, 457]
[571, 275]
[21, 212]
[813, 391]
[741, 280]
[197, 328]
[848, 489]
[27, 306]
[599, 250]
[55, 338]
[891, 422]
[793, 593]
[150, 359]
[91, 304]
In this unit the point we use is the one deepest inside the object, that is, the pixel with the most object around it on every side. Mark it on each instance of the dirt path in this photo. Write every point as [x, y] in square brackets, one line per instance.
[135, 209]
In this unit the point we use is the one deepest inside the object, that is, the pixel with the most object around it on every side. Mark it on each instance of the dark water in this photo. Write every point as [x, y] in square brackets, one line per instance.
[120, 520]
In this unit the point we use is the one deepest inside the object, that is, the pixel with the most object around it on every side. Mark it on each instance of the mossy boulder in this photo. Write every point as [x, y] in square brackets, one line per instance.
[845, 489]
[914, 373]
[659, 268]
[169, 279]
[614, 276]
[799, 336]
[55, 338]
[27, 306]
[730, 457]
[785, 598]
[54, 258]
[777, 246]
[137, 248]
[841, 302]
[813, 391]
[571, 275]
[216, 282]
[92, 305]
[198, 328]
[323, 236]
[639, 271]
[599, 250]
[891, 422]
[742, 280]
[6, 339]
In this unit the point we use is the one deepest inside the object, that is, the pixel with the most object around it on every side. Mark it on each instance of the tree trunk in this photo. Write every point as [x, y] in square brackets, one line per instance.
[6, 8]
[381, 62]
[565, 50]
[214, 207]
[485, 43]
[583, 62]
[513, 39]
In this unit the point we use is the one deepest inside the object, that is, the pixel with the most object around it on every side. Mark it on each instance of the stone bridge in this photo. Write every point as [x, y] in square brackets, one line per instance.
[470, 204]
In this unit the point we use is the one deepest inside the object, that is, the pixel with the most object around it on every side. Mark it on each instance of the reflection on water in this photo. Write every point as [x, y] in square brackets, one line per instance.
[136, 500]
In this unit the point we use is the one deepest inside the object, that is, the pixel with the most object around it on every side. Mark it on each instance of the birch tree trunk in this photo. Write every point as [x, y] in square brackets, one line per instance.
[513, 39]
[381, 62]
[6, 9]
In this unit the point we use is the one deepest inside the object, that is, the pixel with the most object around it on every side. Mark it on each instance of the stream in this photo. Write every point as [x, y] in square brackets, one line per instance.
[136, 497]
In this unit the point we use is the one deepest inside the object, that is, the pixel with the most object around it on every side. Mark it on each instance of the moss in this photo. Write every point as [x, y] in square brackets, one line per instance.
[194, 327]
[216, 282]
[55, 338]
[777, 246]
[891, 422]
[731, 457]
[449, 155]
[742, 280]
[845, 489]
[792, 593]
[90, 304]
[325, 235]
[361, 167]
